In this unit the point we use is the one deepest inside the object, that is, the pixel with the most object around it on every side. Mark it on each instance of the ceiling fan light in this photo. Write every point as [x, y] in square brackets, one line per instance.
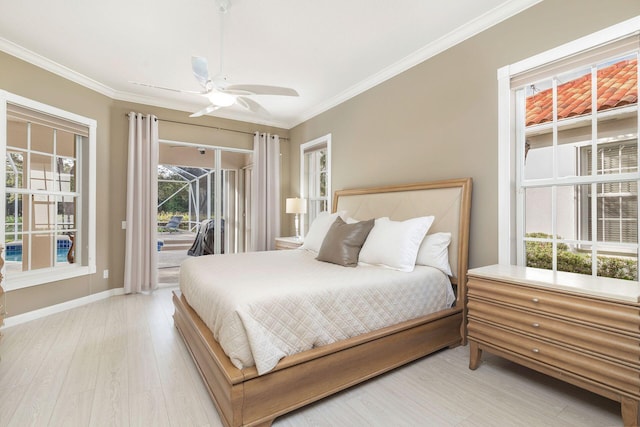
[221, 99]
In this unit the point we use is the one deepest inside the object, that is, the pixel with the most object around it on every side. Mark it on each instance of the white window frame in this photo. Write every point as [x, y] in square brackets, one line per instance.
[312, 145]
[88, 217]
[509, 151]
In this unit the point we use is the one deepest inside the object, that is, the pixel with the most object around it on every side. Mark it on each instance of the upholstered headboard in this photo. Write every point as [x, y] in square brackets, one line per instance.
[449, 201]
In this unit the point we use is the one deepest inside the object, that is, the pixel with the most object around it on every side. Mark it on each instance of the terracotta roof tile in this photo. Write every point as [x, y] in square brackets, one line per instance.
[617, 86]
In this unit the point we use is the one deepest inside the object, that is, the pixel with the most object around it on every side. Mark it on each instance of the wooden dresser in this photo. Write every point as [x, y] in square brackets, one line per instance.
[579, 329]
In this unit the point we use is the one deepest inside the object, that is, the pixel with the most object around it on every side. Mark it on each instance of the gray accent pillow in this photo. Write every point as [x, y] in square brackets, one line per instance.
[343, 242]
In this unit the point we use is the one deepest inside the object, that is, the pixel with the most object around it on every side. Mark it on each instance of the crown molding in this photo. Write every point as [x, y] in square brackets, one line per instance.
[40, 61]
[506, 10]
[460, 34]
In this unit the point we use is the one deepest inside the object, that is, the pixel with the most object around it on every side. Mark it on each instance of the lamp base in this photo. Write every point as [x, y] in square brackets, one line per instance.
[297, 223]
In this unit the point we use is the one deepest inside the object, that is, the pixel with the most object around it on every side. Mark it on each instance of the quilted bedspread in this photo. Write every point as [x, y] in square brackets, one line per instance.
[263, 306]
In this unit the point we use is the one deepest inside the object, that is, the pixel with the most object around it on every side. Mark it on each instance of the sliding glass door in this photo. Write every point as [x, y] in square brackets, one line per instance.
[209, 185]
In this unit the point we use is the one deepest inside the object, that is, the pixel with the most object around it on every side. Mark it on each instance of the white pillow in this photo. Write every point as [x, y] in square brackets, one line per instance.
[395, 244]
[434, 252]
[318, 230]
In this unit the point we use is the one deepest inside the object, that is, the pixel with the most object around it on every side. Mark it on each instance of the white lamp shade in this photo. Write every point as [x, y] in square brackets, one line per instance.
[296, 206]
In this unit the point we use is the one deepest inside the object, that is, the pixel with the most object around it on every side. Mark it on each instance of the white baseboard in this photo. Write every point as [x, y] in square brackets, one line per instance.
[46, 311]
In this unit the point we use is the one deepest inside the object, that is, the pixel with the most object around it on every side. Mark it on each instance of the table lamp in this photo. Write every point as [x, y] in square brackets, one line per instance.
[296, 206]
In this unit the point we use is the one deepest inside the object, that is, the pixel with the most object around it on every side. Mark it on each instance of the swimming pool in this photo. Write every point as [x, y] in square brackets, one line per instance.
[13, 251]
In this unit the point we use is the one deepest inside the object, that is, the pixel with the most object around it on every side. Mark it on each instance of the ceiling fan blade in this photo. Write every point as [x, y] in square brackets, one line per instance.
[251, 105]
[209, 109]
[200, 70]
[170, 89]
[260, 90]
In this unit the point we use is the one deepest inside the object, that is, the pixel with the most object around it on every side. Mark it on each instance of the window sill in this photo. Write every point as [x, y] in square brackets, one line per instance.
[41, 277]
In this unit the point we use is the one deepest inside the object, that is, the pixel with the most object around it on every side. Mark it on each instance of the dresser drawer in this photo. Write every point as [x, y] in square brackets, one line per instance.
[614, 316]
[602, 371]
[617, 346]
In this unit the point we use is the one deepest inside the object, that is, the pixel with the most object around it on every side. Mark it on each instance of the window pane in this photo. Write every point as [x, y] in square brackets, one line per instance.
[14, 169]
[617, 82]
[618, 148]
[539, 254]
[41, 138]
[574, 94]
[573, 259]
[65, 144]
[617, 266]
[538, 211]
[538, 161]
[617, 220]
[572, 137]
[539, 105]
[13, 215]
[43, 210]
[323, 160]
[41, 172]
[17, 134]
[42, 251]
[13, 248]
[65, 174]
[13, 254]
[323, 184]
[66, 213]
[571, 211]
[63, 248]
[615, 158]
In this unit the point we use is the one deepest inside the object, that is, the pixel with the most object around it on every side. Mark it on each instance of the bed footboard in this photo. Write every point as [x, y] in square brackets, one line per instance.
[243, 398]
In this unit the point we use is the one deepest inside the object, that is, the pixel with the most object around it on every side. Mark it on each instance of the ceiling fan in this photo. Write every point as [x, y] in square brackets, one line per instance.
[218, 90]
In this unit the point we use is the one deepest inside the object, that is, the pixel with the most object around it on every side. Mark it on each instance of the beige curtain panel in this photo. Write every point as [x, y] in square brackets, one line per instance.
[265, 192]
[141, 256]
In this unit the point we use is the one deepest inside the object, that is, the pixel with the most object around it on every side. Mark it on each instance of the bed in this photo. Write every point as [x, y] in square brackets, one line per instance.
[245, 397]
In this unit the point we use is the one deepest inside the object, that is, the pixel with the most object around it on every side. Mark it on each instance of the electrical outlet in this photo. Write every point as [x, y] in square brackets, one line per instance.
[124, 225]
[105, 274]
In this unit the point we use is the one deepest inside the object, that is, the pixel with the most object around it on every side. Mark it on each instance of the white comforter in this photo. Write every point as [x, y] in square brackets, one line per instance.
[262, 306]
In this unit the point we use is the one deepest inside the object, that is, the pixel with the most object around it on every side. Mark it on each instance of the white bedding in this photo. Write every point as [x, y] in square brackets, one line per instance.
[263, 306]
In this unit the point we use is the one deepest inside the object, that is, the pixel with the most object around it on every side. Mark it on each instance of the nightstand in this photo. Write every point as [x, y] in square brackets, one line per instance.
[580, 329]
[288, 243]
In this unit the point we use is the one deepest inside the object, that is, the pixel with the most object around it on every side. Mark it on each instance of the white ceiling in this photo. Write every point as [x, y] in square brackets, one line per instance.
[328, 50]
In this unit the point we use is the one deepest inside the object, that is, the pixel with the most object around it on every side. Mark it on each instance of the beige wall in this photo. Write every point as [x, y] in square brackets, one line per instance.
[23, 79]
[26, 80]
[439, 119]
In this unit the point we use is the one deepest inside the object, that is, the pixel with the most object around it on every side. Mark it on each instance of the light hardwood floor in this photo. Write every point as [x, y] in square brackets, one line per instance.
[121, 362]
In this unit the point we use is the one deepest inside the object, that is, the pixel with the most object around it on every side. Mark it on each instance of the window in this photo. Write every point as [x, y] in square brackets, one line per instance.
[569, 209]
[49, 181]
[315, 178]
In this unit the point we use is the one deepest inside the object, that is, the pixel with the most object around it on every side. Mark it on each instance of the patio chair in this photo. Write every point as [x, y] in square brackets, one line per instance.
[173, 223]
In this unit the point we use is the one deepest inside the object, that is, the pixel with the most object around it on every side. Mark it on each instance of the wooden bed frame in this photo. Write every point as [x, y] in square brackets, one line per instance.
[244, 398]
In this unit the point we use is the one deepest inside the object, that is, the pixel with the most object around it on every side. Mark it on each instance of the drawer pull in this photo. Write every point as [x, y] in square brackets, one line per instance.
[535, 350]
[536, 300]
[535, 325]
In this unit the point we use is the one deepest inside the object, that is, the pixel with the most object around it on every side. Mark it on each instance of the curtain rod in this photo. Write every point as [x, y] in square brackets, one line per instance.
[207, 126]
